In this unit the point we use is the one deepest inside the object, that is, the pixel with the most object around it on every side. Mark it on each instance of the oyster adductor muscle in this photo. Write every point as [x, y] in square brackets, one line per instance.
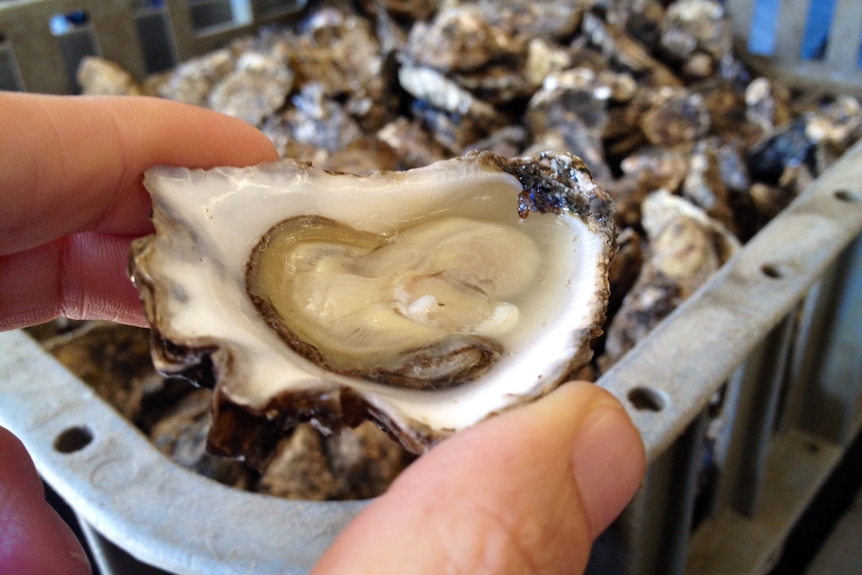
[423, 300]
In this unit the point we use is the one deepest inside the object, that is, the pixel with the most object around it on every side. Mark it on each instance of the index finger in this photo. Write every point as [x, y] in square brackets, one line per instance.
[74, 163]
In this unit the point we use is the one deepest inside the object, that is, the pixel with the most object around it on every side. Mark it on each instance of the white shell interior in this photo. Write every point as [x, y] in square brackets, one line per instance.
[209, 221]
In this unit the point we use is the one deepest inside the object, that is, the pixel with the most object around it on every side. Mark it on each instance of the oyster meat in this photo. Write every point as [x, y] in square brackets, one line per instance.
[424, 300]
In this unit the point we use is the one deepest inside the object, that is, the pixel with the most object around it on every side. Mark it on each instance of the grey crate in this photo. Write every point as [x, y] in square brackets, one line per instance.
[39, 51]
[777, 331]
[774, 42]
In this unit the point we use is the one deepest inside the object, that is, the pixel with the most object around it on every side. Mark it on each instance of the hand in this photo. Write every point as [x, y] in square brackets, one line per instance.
[33, 538]
[524, 492]
[72, 201]
[70, 179]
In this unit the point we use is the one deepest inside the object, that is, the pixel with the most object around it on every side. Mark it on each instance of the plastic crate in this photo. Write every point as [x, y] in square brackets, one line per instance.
[807, 43]
[776, 331]
[42, 41]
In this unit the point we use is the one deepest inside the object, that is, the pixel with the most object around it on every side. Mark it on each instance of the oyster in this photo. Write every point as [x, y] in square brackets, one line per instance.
[423, 300]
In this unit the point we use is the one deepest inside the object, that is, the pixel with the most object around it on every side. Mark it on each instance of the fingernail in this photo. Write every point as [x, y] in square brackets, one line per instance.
[608, 463]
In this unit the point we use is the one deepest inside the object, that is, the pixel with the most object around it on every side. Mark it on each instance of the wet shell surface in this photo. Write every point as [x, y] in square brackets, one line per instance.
[424, 300]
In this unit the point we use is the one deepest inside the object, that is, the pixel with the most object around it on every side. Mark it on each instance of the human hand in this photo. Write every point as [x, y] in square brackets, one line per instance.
[33, 537]
[525, 492]
[70, 180]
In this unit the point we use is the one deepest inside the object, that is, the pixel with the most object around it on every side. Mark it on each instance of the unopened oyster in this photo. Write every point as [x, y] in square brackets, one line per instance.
[424, 300]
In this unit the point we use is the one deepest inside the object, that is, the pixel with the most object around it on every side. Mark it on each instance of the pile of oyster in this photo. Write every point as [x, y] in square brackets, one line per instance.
[695, 150]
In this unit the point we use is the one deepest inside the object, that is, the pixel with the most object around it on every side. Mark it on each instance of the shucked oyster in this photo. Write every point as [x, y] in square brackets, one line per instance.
[424, 300]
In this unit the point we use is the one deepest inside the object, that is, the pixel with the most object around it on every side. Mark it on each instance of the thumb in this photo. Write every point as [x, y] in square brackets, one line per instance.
[524, 492]
[33, 538]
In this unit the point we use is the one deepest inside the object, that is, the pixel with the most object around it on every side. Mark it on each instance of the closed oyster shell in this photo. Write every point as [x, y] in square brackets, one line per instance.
[544, 299]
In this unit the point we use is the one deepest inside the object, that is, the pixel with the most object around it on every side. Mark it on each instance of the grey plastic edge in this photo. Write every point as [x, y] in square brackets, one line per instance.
[129, 492]
[693, 352]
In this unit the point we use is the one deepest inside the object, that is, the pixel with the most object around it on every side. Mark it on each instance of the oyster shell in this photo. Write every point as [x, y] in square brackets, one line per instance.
[424, 300]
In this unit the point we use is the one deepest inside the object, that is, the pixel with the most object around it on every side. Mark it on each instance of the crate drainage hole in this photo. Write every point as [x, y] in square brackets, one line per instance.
[647, 399]
[848, 196]
[771, 271]
[73, 439]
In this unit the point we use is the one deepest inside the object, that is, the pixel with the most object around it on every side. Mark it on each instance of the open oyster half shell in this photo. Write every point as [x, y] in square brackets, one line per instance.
[424, 300]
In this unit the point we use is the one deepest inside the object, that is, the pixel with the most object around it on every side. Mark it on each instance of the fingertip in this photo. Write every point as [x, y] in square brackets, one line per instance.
[33, 537]
[70, 555]
[608, 462]
[201, 138]
[526, 491]
[608, 458]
